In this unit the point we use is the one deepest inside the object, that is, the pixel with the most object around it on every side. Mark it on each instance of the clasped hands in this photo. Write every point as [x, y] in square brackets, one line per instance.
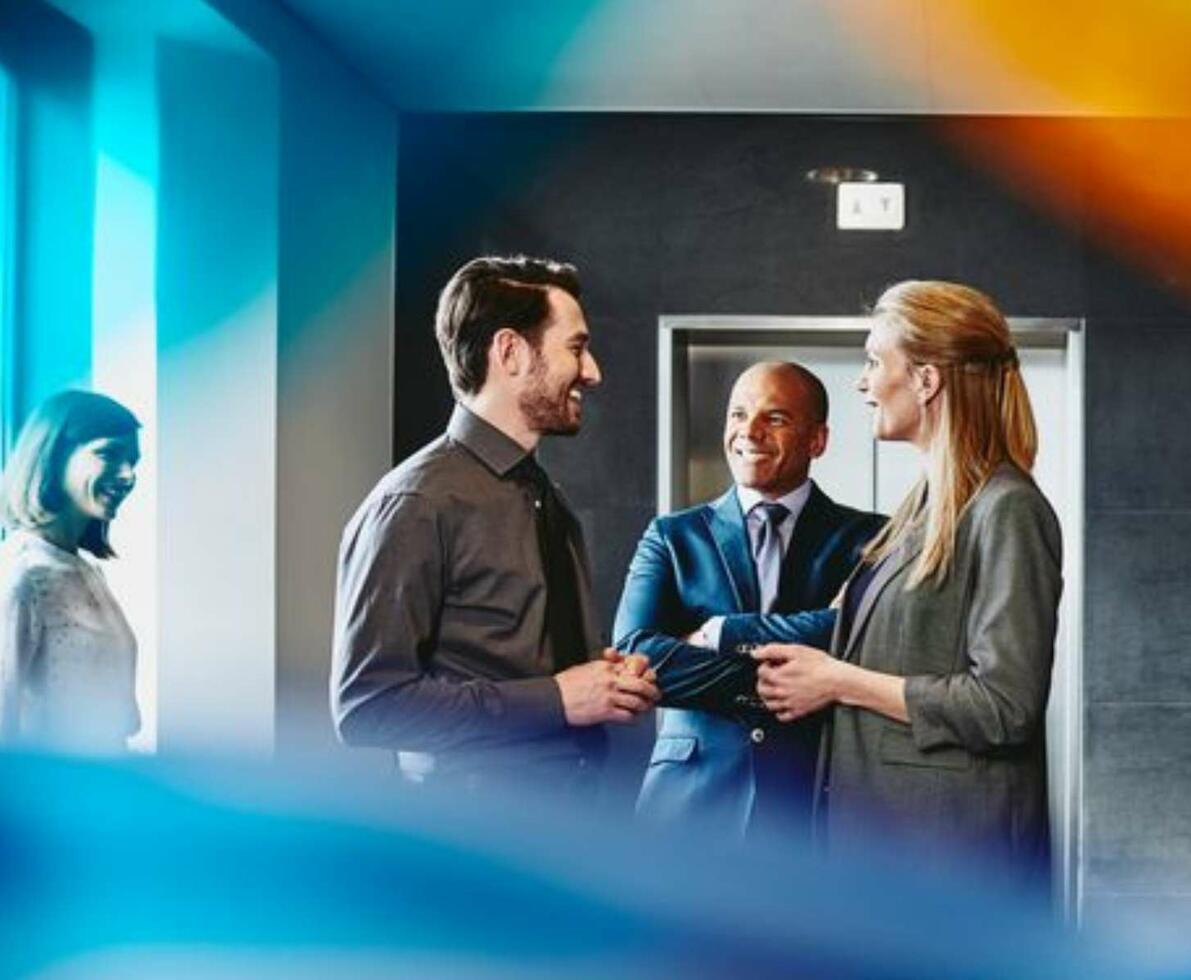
[795, 680]
[618, 687]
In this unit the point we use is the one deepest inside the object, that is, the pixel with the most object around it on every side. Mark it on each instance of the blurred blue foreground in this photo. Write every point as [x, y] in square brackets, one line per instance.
[144, 870]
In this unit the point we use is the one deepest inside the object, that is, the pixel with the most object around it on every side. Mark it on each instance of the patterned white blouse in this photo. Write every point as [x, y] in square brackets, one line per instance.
[67, 654]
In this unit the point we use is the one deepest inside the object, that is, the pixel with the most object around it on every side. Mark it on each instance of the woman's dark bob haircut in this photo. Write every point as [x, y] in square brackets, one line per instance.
[31, 493]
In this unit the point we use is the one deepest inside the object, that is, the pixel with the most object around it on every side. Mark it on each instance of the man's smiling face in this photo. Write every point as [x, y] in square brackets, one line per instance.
[563, 368]
[771, 433]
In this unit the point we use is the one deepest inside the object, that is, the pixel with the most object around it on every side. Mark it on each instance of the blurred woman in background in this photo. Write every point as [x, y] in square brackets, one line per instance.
[67, 654]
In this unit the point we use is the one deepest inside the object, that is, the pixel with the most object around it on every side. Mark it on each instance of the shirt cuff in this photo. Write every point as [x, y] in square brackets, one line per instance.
[709, 633]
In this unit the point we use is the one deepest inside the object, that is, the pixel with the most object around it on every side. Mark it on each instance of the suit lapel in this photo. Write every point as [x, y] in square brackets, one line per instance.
[910, 548]
[800, 567]
[726, 523]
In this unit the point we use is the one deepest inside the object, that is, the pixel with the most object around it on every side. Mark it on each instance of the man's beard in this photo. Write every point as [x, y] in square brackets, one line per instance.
[547, 412]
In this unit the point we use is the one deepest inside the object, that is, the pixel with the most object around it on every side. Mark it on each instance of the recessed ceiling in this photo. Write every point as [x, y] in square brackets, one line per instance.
[847, 56]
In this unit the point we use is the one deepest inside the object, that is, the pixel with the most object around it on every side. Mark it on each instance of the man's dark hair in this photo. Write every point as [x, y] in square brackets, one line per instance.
[487, 294]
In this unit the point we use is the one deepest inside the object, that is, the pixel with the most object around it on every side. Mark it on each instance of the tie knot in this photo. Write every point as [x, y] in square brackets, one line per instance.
[772, 514]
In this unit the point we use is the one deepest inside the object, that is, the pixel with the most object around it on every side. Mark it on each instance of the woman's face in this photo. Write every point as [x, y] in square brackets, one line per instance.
[100, 474]
[891, 388]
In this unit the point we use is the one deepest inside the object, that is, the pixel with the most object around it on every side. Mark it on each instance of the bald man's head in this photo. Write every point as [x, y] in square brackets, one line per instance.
[791, 373]
[776, 424]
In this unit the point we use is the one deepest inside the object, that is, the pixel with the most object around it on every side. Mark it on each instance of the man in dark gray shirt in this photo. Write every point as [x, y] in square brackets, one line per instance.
[464, 627]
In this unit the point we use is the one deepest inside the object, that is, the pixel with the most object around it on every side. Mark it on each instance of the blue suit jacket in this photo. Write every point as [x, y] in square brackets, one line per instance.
[695, 564]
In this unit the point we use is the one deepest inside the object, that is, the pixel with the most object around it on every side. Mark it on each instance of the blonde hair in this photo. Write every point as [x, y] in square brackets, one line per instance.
[985, 418]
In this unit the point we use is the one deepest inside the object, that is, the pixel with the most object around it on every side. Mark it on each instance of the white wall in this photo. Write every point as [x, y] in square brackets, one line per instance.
[337, 217]
[217, 409]
[124, 320]
[243, 290]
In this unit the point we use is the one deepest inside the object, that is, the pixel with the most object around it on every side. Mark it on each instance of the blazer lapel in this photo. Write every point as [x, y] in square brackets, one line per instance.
[726, 523]
[894, 563]
[800, 568]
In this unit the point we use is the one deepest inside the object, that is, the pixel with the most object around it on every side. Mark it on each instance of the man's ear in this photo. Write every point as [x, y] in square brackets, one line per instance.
[929, 382]
[507, 353]
[818, 443]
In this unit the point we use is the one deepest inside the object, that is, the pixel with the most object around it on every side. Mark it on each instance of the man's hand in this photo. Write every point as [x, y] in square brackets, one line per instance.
[795, 680]
[634, 664]
[617, 688]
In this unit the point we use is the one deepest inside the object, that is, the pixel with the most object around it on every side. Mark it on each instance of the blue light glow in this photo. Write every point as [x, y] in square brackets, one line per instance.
[263, 872]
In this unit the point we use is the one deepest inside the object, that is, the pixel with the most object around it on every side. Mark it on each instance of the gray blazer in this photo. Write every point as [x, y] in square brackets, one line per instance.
[967, 775]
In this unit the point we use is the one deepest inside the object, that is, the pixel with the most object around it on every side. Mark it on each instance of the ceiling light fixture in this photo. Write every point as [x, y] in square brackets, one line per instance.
[841, 175]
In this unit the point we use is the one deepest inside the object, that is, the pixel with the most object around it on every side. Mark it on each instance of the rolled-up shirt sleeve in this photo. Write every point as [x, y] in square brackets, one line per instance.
[999, 700]
[392, 580]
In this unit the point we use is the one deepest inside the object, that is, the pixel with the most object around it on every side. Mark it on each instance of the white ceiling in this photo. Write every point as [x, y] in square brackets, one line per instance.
[848, 56]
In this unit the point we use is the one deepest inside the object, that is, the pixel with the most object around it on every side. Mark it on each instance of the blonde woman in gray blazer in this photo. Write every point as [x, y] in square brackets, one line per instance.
[941, 658]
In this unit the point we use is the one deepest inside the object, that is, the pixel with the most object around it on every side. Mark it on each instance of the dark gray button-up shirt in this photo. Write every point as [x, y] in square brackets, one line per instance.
[440, 618]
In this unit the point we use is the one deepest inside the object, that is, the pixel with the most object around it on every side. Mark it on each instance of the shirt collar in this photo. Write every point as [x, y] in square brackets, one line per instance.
[486, 442]
[793, 501]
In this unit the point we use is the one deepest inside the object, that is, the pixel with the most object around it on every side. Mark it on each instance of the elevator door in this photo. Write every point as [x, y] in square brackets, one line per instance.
[700, 357]
[855, 469]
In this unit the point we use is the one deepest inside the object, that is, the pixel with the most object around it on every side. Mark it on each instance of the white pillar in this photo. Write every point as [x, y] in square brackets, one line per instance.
[124, 320]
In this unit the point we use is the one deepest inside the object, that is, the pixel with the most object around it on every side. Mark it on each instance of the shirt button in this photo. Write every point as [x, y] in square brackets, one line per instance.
[582, 763]
[757, 735]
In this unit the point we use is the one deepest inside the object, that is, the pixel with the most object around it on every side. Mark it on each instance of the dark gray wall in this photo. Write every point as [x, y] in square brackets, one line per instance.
[1137, 655]
[710, 214]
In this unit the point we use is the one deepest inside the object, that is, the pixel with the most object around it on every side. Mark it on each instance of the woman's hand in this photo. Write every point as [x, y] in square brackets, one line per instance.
[794, 680]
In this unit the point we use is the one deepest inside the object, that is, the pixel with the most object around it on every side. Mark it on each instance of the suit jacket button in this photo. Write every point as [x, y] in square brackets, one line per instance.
[757, 735]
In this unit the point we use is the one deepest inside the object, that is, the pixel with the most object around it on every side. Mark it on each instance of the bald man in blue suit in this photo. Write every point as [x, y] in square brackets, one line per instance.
[773, 544]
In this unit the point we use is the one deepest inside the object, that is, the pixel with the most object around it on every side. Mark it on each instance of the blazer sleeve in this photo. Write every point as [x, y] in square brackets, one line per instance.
[650, 619]
[812, 628]
[389, 596]
[1000, 699]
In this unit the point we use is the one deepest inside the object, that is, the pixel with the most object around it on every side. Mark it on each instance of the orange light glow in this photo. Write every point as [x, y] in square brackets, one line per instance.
[1101, 101]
